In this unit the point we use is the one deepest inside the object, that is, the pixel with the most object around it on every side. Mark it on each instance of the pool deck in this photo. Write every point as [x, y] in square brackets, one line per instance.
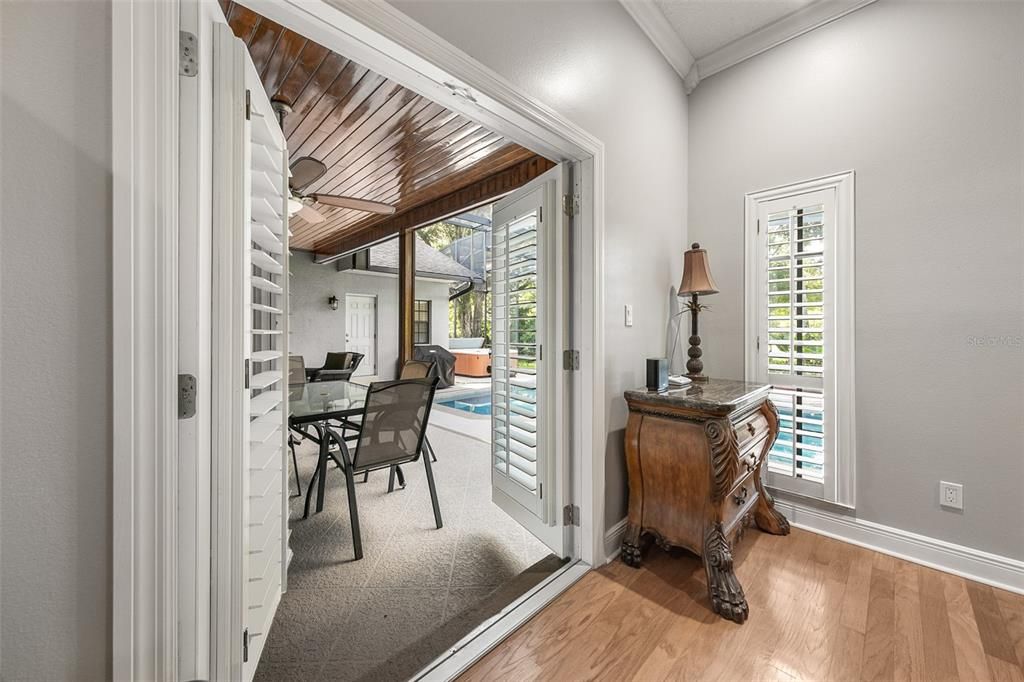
[475, 426]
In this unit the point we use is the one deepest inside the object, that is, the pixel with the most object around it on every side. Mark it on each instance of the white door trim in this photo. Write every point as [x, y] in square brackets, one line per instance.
[144, 148]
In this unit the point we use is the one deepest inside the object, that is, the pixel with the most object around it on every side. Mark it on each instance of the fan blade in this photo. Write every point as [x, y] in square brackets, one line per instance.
[353, 203]
[305, 171]
[310, 215]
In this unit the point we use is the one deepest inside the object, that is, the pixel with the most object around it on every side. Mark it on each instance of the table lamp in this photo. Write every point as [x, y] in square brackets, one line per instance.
[697, 281]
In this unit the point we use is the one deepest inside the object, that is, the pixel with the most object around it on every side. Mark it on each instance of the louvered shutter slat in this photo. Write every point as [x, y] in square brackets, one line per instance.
[796, 344]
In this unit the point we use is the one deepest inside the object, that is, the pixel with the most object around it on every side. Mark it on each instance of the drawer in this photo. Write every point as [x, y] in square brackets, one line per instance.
[738, 502]
[750, 430]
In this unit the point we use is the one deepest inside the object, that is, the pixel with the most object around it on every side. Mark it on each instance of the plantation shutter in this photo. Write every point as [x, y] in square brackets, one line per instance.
[525, 332]
[794, 342]
[516, 348]
[250, 344]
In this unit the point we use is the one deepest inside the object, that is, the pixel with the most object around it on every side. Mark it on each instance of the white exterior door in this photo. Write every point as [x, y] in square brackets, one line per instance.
[361, 331]
[529, 256]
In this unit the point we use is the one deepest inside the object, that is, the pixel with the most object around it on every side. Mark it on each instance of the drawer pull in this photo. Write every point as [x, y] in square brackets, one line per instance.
[740, 497]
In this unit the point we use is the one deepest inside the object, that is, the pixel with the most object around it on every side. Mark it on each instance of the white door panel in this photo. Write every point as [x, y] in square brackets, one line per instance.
[527, 335]
[361, 331]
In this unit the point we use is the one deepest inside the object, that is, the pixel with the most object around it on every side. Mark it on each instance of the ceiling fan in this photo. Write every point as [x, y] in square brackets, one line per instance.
[306, 171]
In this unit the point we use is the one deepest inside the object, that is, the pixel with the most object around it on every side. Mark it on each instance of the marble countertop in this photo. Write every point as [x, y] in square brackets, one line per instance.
[718, 396]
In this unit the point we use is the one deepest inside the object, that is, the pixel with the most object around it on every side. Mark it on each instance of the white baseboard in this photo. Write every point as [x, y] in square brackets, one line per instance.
[613, 540]
[983, 567]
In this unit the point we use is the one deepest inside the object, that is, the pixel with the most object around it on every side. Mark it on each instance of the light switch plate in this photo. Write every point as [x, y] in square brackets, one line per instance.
[629, 315]
[951, 495]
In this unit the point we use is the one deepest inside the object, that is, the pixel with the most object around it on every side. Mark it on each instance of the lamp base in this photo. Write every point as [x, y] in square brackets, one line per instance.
[694, 366]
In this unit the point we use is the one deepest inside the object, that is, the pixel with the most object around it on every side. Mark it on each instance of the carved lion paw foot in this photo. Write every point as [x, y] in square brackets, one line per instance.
[727, 598]
[770, 520]
[631, 555]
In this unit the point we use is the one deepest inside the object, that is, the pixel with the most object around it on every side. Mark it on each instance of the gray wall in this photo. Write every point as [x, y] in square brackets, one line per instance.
[55, 340]
[592, 64]
[316, 329]
[925, 101]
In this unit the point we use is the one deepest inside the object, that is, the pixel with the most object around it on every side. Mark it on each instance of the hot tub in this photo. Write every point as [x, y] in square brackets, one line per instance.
[472, 362]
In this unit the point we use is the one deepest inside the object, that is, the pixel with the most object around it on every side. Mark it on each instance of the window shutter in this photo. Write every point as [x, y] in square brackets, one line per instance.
[794, 352]
[515, 351]
[795, 305]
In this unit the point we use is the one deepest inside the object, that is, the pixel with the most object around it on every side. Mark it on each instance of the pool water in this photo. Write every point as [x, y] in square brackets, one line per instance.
[480, 404]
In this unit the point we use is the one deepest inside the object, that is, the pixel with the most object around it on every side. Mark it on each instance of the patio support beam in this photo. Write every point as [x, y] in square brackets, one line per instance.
[406, 294]
[476, 194]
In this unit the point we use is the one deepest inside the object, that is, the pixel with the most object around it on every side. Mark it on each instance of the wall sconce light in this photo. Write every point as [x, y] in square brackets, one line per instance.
[333, 302]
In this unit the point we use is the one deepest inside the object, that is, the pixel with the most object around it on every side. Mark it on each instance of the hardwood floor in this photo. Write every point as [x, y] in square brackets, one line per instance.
[820, 609]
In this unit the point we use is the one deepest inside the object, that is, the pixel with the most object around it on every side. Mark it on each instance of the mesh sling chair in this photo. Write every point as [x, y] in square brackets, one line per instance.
[297, 376]
[412, 369]
[338, 366]
[394, 423]
[419, 369]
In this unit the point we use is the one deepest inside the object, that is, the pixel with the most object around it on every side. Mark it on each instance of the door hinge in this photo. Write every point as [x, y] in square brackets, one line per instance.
[758, 342]
[247, 372]
[188, 51]
[759, 226]
[570, 515]
[245, 645]
[248, 105]
[571, 360]
[571, 204]
[540, 214]
[186, 396]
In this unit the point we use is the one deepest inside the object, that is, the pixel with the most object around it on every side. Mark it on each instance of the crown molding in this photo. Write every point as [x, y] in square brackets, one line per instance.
[802, 21]
[653, 23]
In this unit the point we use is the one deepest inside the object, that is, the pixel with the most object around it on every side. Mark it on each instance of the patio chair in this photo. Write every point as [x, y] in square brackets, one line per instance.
[297, 375]
[338, 366]
[419, 369]
[394, 423]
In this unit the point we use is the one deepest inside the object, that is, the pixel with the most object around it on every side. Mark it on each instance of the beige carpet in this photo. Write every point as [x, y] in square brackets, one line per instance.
[417, 590]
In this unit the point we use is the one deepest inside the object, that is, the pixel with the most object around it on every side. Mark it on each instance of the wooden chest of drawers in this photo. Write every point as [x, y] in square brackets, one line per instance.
[694, 458]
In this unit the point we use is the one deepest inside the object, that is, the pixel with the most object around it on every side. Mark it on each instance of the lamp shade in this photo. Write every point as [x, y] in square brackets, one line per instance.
[696, 273]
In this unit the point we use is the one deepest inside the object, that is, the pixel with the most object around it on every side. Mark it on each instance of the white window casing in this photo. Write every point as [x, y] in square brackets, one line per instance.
[799, 330]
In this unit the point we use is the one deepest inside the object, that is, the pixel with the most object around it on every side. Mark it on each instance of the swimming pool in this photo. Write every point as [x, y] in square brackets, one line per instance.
[480, 404]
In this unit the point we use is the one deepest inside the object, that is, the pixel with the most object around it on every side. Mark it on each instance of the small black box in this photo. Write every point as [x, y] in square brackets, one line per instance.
[657, 374]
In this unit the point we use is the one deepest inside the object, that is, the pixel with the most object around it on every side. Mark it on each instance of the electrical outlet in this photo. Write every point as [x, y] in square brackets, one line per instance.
[951, 495]
[629, 315]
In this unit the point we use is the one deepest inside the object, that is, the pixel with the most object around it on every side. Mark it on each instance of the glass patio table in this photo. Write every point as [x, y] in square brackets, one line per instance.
[315, 405]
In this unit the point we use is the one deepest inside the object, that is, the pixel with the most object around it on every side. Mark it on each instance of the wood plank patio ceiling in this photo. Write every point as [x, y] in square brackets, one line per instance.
[378, 140]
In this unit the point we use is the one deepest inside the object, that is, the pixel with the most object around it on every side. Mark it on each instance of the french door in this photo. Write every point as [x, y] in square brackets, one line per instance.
[529, 314]
[250, 306]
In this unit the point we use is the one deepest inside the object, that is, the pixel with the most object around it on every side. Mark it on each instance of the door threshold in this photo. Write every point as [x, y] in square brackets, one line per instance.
[486, 636]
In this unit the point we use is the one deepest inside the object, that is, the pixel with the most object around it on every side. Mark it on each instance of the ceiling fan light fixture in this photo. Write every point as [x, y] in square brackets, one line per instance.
[294, 206]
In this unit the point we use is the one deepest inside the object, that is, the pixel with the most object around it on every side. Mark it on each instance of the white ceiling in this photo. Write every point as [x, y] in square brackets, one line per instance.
[706, 25]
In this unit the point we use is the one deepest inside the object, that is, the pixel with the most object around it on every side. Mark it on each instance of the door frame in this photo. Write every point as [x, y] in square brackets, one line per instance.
[145, 164]
[145, 170]
[376, 330]
[385, 40]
